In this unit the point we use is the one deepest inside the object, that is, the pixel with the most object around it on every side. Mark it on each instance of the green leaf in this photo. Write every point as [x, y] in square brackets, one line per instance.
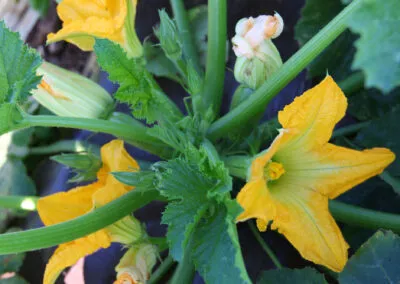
[157, 62]
[137, 87]
[383, 132]
[18, 64]
[14, 179]
[216, 248]
[377, 261]
[292, 276]
[16, 279]
[198, 17]
[10, 117]
[336, 59]
[42, 6]
[186, 189]
[377, 23]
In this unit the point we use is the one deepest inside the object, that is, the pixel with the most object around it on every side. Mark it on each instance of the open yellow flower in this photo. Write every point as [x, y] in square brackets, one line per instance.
[64, 206]
[85, 20]
[290, 183]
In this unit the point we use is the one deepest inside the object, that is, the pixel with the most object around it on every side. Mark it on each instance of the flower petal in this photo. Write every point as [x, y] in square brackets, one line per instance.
[69, 253]
[332, 170]
[299, 210]
[64, 206]
[115, 159]
[85, 20]
[312, 116]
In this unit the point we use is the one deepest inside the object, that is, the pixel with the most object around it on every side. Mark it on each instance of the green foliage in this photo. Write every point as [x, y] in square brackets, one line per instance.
[137, 87]
[377, 261]
[42, 6]
[377, 55]
[16, 279]
[85, 165]
[292, 276]
[200, 211]
[383, 132]
[169, 37]
[216, 249]
[336, 59]
[198, 17]
[18, 64]
[157, 62]
[10, 116]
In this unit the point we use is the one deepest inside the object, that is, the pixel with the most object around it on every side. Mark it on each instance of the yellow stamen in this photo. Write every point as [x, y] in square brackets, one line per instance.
[274, 171]
[50, 90]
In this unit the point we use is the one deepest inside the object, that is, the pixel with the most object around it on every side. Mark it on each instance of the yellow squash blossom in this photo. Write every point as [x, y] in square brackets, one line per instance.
[85, 20]
[290, 183]
[64, 206]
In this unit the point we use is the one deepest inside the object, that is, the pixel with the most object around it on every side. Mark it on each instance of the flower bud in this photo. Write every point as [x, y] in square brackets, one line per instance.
[257, 56]
[136, 265]
[168, 36]
[71, 95]
[255, 71]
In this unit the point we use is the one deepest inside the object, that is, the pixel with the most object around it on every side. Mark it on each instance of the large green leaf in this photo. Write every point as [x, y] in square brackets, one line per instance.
[216, 249]
[377, 23]
[336, 59]
[10, 116]
[186, 189]
[377, 261]
[42, 6]
[18, 64]
[292, 276]
[384, 132]
[16, 279]
[137, 87]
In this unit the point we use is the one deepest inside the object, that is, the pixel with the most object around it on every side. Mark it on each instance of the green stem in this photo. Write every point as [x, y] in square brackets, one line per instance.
[366, 218]
[184, 273]
[76, 228]
[353, 83]
[350, 129]
[160, 242]
[182, 21]
[61, 146]
[133, 133]
[264, 245]
[259, 99]
[27, 203]
[216, 51]
[394, 182]
[161, 271]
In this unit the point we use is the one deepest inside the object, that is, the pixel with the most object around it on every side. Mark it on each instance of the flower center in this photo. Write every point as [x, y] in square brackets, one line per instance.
[273, 171]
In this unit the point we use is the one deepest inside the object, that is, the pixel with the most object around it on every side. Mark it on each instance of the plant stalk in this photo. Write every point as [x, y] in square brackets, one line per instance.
[182, 21]
[264, 245]
[258, 101]
[76, 228]
[184, 272]
[161, 271]
[27, 203]
[216, 51]
[133, 133]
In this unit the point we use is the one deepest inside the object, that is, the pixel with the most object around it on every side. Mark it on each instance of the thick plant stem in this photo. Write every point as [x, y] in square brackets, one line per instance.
[161, 271]
[184, 273]
[76, 228]
[366, 218]
[215, 71]
[264, 245]
[62, 146]
[133, 133]
[27, 203]
[182, 21]
[258, 100]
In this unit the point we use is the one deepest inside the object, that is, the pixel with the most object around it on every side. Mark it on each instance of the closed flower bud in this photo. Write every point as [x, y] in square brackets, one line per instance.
[258, 57]
[71, 95]
[136, 265]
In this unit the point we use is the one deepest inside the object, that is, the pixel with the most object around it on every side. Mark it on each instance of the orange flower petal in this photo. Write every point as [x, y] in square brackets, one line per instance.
[69, 253]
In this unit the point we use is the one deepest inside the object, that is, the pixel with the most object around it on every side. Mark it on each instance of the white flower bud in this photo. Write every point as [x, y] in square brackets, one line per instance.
[274, 26]
[242, 48]
[243, 26]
